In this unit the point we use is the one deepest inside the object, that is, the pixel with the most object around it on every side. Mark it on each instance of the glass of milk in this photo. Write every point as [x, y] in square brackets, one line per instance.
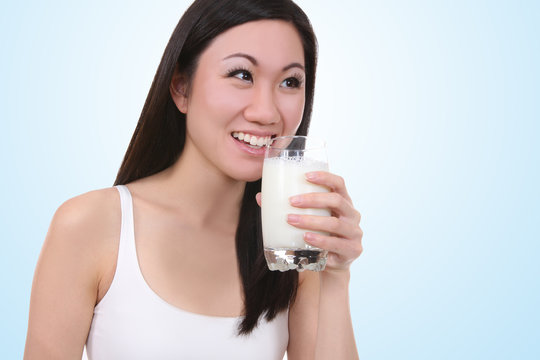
[286, 162]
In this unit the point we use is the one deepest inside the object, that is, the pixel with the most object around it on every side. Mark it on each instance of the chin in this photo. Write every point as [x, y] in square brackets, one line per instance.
[247, 175]
[251, 179]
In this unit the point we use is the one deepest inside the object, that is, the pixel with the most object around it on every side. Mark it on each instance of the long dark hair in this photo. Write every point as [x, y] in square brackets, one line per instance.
[159, 137]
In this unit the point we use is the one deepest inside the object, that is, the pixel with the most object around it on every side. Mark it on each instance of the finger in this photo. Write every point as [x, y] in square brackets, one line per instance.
[333, 182]
[345, 249]
[329, 224]
[258, 198]
[332, 201]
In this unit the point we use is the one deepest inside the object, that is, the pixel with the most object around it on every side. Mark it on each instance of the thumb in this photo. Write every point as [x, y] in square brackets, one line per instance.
[258, 198]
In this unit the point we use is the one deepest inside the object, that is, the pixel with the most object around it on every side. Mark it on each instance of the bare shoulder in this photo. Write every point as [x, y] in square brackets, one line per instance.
[87, 228]
[78, 254]
[89, 213]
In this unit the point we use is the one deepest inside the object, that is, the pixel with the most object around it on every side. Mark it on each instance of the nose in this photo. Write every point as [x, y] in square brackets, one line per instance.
[262, 107]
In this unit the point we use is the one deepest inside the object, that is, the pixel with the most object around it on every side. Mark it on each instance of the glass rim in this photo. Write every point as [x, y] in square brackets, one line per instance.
[321, 144]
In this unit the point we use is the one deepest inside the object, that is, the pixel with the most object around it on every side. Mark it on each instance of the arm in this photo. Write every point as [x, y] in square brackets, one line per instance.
[64, 290]
[335, 336]
[326, 294]
[320, 325]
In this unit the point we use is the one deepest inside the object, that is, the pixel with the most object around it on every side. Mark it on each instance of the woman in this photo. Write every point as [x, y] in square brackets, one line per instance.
[168, 264]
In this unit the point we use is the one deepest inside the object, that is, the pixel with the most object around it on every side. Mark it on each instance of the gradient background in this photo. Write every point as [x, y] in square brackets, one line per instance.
[431, 113]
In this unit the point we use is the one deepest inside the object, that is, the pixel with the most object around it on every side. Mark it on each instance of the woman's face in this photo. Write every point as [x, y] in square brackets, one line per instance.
[248, 87]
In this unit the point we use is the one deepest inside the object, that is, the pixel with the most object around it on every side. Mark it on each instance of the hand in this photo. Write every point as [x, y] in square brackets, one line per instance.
[344, 242]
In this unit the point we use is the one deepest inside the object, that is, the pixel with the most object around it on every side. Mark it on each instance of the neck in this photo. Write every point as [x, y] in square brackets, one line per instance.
[211, 198]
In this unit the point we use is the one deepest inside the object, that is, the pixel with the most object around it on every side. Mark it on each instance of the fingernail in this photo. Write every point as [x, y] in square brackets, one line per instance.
[293, 219]
[295, 200]
[310, 237]
[311, 175]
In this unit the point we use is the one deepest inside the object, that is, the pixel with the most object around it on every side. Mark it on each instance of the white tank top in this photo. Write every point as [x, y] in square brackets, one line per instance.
[133, 322]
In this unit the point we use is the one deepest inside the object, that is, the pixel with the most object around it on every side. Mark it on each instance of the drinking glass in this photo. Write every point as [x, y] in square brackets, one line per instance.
[286, 161]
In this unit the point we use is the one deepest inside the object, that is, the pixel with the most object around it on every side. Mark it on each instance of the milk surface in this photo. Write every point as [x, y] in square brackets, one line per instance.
[281, 179]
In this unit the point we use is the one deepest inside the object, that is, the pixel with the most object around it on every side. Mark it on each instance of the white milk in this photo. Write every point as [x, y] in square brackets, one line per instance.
[281, 179]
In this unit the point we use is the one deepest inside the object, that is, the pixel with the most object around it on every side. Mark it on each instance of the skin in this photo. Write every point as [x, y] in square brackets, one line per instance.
[78, 260]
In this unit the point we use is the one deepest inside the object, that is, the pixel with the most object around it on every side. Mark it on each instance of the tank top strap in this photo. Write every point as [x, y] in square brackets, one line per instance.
[127, 267]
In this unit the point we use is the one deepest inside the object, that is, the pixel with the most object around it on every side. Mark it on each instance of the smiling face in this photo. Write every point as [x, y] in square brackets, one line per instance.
[248, 87]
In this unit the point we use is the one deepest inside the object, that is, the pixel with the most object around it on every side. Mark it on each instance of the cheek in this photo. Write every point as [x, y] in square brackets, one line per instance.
[212, 105]
[222, 100]
[222, 95]
[292, 109]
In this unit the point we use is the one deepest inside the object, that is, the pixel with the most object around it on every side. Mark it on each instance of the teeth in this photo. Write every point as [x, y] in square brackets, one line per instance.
[252, 139]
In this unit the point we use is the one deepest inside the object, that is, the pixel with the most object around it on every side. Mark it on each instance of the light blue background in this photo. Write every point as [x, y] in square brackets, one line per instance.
[431, 113]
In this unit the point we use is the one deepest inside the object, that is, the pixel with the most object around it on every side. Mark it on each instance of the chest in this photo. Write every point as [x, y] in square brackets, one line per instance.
[192, 268]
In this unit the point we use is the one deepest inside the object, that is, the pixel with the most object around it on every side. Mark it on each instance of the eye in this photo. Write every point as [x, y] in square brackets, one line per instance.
[241, 74]
[292, 82]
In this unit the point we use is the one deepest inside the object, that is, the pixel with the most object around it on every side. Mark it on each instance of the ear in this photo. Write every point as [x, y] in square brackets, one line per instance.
[178, 89]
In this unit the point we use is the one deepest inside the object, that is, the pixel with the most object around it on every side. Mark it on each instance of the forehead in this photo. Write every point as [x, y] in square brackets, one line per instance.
[271, 42]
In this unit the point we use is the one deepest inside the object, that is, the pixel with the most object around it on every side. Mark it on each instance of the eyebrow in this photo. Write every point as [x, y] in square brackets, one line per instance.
[255, 62]
[293, 65]
[249, 57]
